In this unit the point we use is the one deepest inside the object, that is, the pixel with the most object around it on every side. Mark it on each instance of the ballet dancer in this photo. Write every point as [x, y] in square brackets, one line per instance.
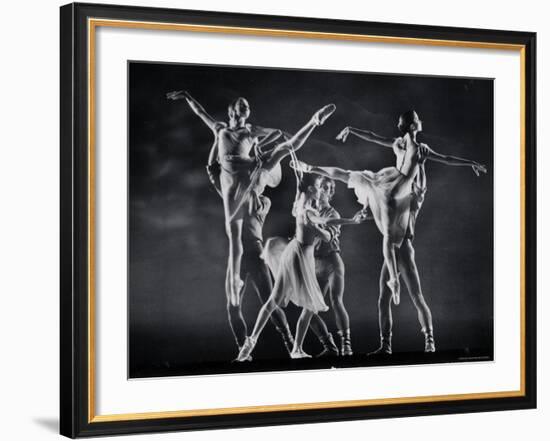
[391, 194]
[330, 272]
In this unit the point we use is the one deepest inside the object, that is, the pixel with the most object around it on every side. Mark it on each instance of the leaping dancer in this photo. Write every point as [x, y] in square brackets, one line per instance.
[394, 195]
[242, 179]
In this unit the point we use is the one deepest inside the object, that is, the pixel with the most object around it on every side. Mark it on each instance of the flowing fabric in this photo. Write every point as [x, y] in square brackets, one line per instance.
[388, 195]
[293, 265]
[241, 180]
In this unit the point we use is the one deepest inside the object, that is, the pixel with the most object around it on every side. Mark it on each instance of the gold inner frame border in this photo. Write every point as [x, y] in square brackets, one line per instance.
[93, 23]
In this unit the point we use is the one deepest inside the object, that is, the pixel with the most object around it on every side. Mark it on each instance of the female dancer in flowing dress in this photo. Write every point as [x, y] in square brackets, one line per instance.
[394, 195]
[293, 265]
[406, 257]
[389, 192]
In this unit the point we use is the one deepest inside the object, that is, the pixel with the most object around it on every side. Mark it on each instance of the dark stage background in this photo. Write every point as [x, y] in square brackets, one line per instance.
[177, 243]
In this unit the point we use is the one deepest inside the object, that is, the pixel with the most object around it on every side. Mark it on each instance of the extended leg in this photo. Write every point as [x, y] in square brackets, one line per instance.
[235, 315]
[234, 284]
[411, 277]
[301, 330]
[299, 138]
[385, 321]
[263, 316]
[262, 284]
[388, 250]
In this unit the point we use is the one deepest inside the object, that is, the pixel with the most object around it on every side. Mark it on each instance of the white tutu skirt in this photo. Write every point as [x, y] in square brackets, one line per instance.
[293, 265]
[388, 194]
[240, 179]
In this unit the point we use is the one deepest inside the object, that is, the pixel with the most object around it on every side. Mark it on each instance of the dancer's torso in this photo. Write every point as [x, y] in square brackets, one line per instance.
[253, 222]
[406, 154]
[325, 248]
[234, 142]
[306, 233]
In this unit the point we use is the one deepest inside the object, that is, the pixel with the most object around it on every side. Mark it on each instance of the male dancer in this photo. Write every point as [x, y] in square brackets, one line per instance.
[330, 271]
[229, 168]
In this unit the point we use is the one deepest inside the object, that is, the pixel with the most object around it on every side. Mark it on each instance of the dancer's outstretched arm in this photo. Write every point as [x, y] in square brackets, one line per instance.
[455, 161]
[334, 173]
[367, 135]
[314, 219]
[212, 124]
[359, 217]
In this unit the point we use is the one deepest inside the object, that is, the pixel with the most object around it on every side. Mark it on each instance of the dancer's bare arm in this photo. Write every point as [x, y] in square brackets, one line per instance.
[455, 161]
[334, 173]
[358, 218]
[323, 233]
[213, 168]
[212, 124]
[366, 135]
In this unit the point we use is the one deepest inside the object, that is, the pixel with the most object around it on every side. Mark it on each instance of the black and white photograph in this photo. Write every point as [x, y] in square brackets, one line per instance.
[284, 219]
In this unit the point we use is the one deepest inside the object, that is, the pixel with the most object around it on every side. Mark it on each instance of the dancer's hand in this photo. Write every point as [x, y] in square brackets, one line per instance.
[343, 135]
[300, 166]
[361, 216]
[177, 95]
[478, 168]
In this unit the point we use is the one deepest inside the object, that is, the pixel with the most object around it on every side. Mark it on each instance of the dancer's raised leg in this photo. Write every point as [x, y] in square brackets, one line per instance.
[299, 138]
[263, 316]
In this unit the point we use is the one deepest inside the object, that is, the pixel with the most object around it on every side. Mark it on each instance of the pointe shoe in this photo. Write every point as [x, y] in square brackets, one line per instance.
[246, 349]
[322, 114]
[299, 353]
[395, 287]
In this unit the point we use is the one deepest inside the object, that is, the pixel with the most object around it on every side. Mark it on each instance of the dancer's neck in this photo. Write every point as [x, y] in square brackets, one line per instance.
[237, 123]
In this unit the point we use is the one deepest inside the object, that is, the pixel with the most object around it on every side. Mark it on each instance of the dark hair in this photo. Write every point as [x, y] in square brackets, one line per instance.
[405, 121]
[233, 104]
[303, 185]
[325, 178]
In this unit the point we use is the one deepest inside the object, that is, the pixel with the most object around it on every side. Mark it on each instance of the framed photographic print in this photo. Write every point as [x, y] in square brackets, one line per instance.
[273, 220]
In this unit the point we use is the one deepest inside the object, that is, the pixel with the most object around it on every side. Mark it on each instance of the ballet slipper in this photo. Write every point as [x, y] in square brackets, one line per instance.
[429, 342]
[246, 349]
[299, 353]
[394, 286]
[322, 114]
[382, 350]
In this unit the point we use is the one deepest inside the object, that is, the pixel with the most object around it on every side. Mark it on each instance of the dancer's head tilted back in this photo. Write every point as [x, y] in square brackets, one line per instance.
[326, 187]
[239, 109]
[409, 122]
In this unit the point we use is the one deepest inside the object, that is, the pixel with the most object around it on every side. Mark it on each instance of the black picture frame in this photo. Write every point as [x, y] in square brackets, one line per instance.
[77, 417]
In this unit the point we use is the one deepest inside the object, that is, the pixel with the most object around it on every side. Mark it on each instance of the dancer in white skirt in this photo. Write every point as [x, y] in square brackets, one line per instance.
[391, 194]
